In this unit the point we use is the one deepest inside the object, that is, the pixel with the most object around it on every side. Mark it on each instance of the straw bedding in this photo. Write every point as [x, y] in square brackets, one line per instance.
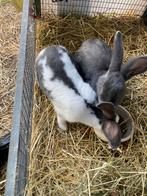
[9, 35]
[9, 45]
[77, 162]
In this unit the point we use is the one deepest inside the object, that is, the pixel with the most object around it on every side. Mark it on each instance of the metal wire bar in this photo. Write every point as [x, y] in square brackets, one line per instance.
[20, 135]
[93, 7]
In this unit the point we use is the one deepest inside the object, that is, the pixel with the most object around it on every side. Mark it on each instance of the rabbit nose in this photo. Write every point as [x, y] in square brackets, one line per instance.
[114, 149]
[114, 146]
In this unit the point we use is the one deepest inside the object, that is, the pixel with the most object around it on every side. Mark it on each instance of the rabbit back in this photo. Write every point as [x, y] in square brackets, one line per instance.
[60, 81]
[94, 55]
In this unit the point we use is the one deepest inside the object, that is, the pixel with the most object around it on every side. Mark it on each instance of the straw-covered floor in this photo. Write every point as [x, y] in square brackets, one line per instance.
[9, 45]
[78, 162]
[9, 38]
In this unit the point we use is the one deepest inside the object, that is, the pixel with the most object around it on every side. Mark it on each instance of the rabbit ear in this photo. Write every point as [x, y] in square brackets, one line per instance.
[134, 66]
[117, 53]
[108, 109]
[112, 132]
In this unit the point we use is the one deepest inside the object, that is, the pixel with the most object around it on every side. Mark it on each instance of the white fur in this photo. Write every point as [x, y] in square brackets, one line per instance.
[41, 53]
[117, 118]
[61, 123]
[68, 105]
[83, 88]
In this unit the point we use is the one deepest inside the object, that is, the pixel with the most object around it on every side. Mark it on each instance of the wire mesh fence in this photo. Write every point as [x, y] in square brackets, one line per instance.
[94, 7]
[17, 169]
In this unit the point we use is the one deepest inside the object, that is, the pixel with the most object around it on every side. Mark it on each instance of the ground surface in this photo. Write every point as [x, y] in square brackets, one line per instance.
[77, 163]
[9, 45]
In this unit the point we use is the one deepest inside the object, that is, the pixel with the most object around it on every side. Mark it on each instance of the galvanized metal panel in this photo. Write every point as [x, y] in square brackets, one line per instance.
[17, 169]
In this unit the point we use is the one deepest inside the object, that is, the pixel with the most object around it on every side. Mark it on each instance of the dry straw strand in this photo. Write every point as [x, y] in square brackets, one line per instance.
[9, 46]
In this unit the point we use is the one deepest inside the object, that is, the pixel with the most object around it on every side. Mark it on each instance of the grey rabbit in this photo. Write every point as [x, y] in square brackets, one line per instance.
[103, 68]
[72, 98]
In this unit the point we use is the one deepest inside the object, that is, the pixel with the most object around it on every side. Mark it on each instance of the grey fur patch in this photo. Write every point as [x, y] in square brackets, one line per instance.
[57, 66]
[40, 81]
[92, 60]
[96, 111]
[111, 88]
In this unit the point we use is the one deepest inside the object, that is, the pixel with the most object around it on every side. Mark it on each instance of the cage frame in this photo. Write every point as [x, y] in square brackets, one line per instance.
[18, 158]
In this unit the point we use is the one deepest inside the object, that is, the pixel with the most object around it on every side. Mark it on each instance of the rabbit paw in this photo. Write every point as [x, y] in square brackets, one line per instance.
[61, 123]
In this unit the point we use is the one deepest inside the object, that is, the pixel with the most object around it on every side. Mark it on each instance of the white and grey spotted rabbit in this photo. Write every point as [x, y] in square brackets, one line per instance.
[72, 98]
[103, 69]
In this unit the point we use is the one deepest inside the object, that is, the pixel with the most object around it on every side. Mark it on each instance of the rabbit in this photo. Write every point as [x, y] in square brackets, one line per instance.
[103, 69]
[72, 98]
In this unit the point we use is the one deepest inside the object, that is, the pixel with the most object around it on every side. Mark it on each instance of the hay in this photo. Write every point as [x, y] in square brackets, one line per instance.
[9, 38]
[9, 45]
[2, 179]
[77, 162]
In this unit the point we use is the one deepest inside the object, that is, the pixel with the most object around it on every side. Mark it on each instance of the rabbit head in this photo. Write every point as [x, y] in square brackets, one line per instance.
[110, 86]
[109, 126]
